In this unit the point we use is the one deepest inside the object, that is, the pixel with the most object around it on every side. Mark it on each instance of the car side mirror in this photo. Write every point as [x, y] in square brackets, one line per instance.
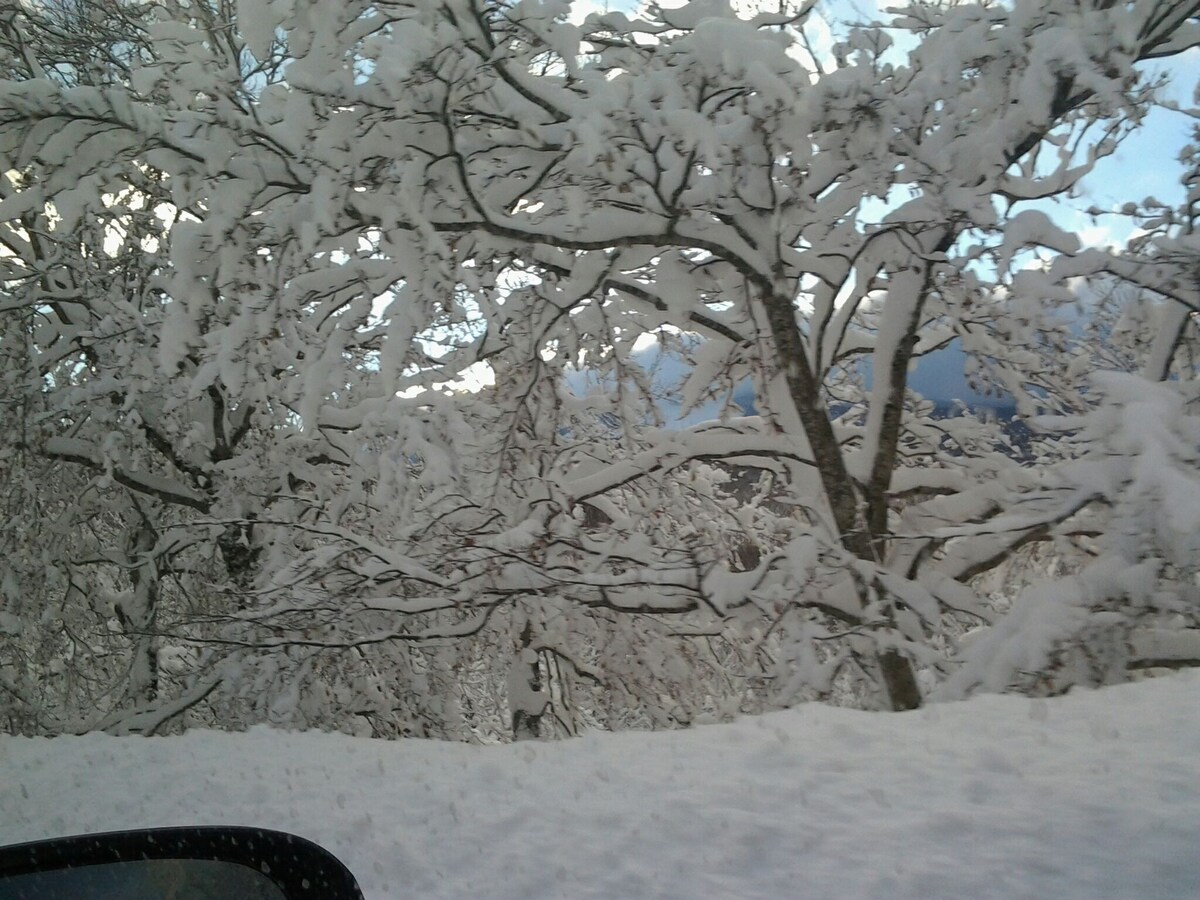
[192, 863]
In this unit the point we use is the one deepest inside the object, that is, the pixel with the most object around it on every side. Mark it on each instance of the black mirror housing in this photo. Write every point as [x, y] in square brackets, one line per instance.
[284, 865]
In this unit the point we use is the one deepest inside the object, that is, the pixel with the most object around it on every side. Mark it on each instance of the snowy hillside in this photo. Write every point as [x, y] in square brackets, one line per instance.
[1092, 795]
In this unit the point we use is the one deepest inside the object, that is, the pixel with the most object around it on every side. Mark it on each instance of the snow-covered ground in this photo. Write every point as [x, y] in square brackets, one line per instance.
[1092, 795]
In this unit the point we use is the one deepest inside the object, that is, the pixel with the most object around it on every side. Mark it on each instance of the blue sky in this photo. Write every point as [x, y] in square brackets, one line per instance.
[1146, 163]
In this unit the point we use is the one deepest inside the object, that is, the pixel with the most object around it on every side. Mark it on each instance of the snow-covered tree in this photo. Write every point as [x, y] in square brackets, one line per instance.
[1128, 592]
[259, 251]
[110, 458]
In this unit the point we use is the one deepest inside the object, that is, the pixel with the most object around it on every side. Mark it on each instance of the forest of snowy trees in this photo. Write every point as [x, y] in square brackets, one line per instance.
[301, 300]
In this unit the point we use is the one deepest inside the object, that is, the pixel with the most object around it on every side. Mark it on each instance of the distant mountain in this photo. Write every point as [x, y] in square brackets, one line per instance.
[939, 377]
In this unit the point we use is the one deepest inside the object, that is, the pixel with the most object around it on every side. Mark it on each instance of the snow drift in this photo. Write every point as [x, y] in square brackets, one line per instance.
[1096, 794]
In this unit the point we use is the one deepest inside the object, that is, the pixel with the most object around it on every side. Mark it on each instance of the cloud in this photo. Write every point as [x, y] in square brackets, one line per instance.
[1097, 236]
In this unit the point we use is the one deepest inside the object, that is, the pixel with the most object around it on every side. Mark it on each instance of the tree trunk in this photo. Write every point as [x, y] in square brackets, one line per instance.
[138, 616]
[850, 509]
[900, 681]
[526, 698]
